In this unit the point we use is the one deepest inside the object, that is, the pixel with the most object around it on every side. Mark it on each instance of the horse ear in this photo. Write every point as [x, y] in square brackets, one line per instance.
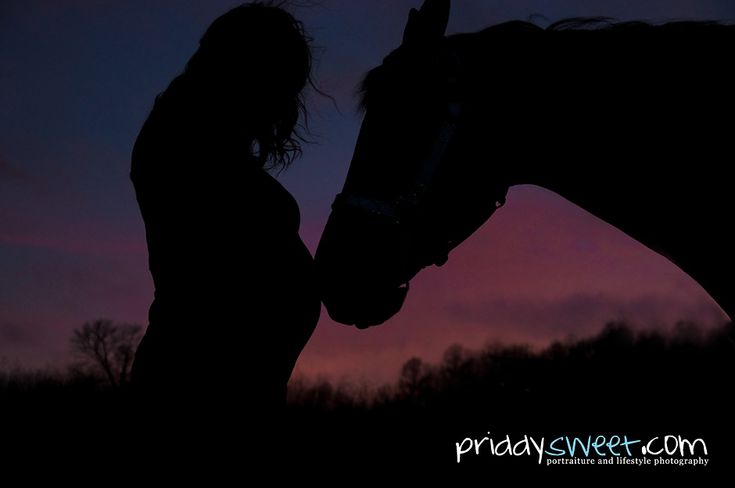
[435, 17]
[428, 23]
[412, 32]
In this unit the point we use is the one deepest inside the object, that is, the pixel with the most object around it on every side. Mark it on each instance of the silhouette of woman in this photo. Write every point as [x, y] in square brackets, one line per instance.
[234, 296]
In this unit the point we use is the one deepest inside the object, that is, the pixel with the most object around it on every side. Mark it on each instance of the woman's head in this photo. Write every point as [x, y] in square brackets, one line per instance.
[249, 71]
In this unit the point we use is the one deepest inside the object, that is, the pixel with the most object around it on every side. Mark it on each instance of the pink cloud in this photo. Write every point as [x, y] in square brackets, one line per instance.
[9, 172]
[88, 245]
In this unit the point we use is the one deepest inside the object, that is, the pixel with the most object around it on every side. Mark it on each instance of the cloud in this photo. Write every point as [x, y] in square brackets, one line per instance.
[16, 335]
[575, 313]
[31, 345]
[427, 326]
[10, 173]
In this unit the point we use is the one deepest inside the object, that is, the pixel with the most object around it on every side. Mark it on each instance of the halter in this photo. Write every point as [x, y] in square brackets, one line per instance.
[406, 207]
[397, 209]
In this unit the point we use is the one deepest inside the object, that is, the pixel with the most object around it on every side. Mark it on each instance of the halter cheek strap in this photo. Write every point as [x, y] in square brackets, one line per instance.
[379, 208]
[396, 210]
[430, 165]
[408, 205]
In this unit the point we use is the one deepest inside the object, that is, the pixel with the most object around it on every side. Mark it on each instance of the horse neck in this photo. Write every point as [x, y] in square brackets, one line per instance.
[628, 136]
[634, 135]
[524, 145]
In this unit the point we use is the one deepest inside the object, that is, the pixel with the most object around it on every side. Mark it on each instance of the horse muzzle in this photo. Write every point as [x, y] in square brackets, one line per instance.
[364, 308]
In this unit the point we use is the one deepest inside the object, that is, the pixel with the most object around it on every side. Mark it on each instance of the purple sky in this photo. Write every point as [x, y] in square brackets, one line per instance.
[77, 78]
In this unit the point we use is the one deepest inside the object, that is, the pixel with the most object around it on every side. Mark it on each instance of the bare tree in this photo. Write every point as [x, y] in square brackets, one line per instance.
[414, 378]
[108, 348]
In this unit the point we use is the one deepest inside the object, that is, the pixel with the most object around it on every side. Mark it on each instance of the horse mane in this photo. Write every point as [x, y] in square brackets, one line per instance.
[616, 33]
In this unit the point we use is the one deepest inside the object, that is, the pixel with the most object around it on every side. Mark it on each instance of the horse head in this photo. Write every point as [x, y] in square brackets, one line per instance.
[405, 203]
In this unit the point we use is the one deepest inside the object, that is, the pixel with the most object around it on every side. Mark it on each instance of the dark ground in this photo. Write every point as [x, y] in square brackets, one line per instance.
[620, 382]
[640, 385]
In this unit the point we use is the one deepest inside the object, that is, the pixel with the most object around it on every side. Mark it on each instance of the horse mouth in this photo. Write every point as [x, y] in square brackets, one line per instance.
[364, 308]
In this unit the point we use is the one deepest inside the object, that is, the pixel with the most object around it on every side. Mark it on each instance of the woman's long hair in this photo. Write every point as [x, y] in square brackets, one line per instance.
[246, 82]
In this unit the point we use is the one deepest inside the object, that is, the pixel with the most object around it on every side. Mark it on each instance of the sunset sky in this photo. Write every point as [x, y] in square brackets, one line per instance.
[77, 79]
